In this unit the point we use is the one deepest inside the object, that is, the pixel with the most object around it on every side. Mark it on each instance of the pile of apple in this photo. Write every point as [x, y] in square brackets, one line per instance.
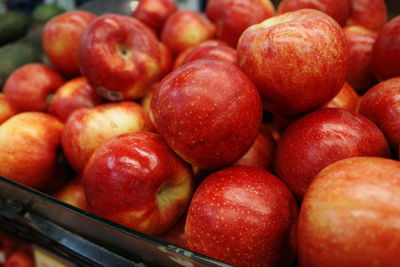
[253, 136]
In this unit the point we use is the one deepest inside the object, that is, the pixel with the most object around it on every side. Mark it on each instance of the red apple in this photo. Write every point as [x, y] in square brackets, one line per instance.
[7, 108]
[371, 14]
[28, 148]
[208, 111]
[217, 52]
[185, 29]
[74, 94]
[386, 51]
[347, 98]
[165, 60]
[136, 180]
[381, 104]
[339, 10]
[60, 39]
[279, 56]
[350, 214]
[232, 17]
[31, 85]
[361, 42]
[322, 137]
[261, 153]
[133, 61]
[19, 259]
[176, 235]
[73, 194]
[154, 13]
[88, 128]
[244, 216]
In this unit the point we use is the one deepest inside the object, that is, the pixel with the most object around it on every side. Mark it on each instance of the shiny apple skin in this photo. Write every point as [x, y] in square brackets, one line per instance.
[347, 98]
[208, 112]
[322, 137]
[136, 180]
[371, 14]
[73, 94]
[350, 213]
[339, 10]
[73, 194]
[7, 108]
[279, 54]
[87, 128]
[61, 37]
[185, 29]
[381, 104]
[218, 52]
[361, 42]
[154, 13]
[243, 216]
[28, 148]
[120, 57]
[30, 85]
[232, 17]
[386, 51]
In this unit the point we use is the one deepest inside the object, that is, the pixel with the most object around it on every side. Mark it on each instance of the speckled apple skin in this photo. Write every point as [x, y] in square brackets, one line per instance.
[7, 108]
[322, 137]
[243, 216]
[73, 94]
[350, 214]
[288, 58]
[136, 180]
[30, 85]
[371, 14]
[347, 98]
[339, 10]
[87, 128]
[120, 56]
[28, 148]
[154, 13]
[208, 112]
[361, 42]
[185, 29]
[217, 52]
[232, 17]
[381, 104]
[386, 51]
[61, 37]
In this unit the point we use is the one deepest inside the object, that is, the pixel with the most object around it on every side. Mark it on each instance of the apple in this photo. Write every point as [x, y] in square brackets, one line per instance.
[176, 234]
[31, 86]
[217, 52]
[322, 137]
[350, 215]
[136, 180]
[371, 14]
[185, 29]
[73, 194]
[87, 128]
[361, 42]
[339, 10]
[347, 98]
[133, 61]
[61, 37]
[261, 153]
[381, 104]
[208, 112]
[19, 259]
[232, 17]
[243, 216]
[279, 56]
[386, 51]
[73, 94]
[154, 13]
[165, 60]
[29, 142]
[7, 108]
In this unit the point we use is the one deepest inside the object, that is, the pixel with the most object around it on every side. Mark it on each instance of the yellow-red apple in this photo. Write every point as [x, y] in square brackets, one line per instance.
[347, 98]
[371, 14]
[7, 108]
